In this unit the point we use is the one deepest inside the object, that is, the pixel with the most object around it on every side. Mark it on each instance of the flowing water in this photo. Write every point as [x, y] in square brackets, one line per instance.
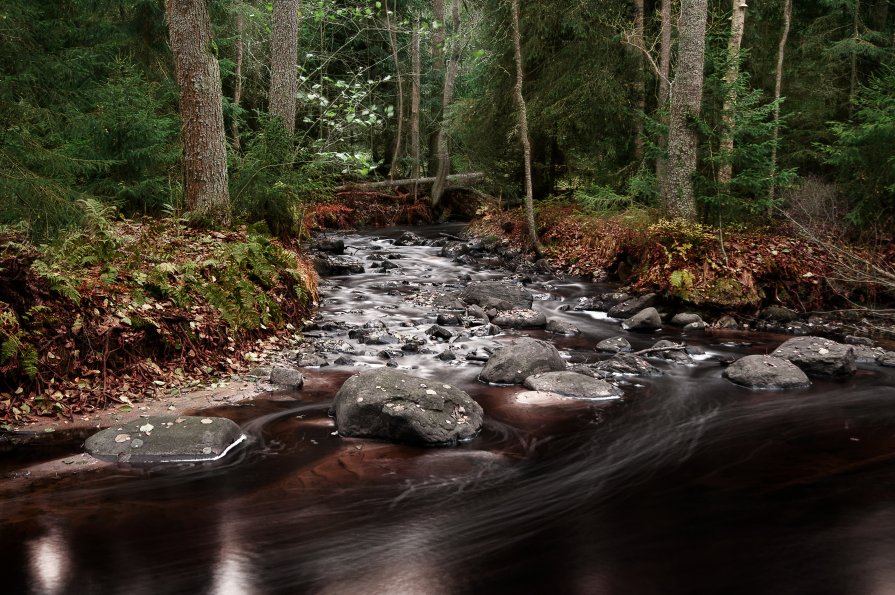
[687, 485]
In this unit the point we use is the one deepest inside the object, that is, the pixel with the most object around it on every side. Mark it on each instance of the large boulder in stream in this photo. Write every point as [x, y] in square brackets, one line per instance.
[819, 356]
[166, 440]
[497, 294]
[646, 320]
[573, 384]
[519, 360]
[391, 405]
[631, 306]
[766, 372]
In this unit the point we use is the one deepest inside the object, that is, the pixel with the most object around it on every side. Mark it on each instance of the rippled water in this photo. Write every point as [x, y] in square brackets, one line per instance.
[687, 485]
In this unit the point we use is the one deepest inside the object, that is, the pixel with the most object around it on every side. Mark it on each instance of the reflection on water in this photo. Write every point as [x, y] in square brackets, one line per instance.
[687, 485]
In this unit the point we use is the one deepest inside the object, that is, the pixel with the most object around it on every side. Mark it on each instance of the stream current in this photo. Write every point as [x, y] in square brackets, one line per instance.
[687, 485]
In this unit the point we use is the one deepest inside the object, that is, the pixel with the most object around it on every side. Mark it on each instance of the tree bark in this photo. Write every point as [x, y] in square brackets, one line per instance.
[201, 110]
[778, 91]
[415, 100]
[523, 132]
[399, 108]
[237, 90]
[639, 83]
[853, 84]
[450, 76]
[438, 71]
[664, 80]
[737, 25]
[686, 102]
[284, 62]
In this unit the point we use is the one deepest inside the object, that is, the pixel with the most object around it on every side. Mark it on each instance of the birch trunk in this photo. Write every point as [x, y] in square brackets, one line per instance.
[523, 133]
[778, 90]
[737, 24]
[284, 62]
[201, 110]
[686, 102]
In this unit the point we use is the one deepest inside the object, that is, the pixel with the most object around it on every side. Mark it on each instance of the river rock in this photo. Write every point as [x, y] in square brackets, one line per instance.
[647, 319]
[519, 360]
[628, 365]
[766, 372]
[819, 356]
[559, 327]
[519, 318]
[449, 319]
[166, 440]
[727, 322]
[330, 245]
[685, 318]
[572, 384]
[631, 306]
[394, 406]
[497, 294]
[484, 330]
[886, 359]
[778, 314]
[308, 360]
[614, 345]
[672, 352]
[448, 301]
[408, 238]
[287, 377]
[455, 249]
[337, 266]
[439, 332]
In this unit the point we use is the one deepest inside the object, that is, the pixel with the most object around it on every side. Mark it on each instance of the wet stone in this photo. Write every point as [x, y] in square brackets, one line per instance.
[519, 360]
[559, 327]
[573, 384]
[672, 352]
[165, 440]
[627, 365]
[766, 372]
[439, 332]
[497, 294]
[819, 356]
[887, 359]
[287, 377]
[685, 318]
[631, 306]
[647, 319]
[520, 318]
[614, 345]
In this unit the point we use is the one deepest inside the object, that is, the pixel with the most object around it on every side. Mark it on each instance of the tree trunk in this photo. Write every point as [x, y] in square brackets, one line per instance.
[737, 24]
[639, 82]
[399, 108]
[664, 80]
[438, 72]
[284, 62]
[523, 133]
[778, 91]
[415, 100]
[686, 102]
[201, 110]
[237, 90]
[450, 76]
[853, 86]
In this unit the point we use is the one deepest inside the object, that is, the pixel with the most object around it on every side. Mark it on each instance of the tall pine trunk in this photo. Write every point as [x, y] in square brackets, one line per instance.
[415, 101]
[640, 82]
[778, 91]
[438, 72]
[686, 103]
[450, 76]
[523, 132]
[284, 62]
[737, 24]
[664, 80]
[201, 110]
[399, 108]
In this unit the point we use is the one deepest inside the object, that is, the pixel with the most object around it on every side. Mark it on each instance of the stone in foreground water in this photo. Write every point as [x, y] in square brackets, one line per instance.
[166, 440]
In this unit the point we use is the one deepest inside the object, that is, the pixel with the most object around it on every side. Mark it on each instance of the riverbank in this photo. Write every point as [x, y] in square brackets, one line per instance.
[136, 311]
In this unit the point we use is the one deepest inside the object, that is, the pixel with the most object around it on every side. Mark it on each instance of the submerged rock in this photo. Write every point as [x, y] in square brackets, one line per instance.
[165, 440]
[572, 384]
[497, 294]
[519, 360]
[766, 372]
[394, 406]
[819, 356]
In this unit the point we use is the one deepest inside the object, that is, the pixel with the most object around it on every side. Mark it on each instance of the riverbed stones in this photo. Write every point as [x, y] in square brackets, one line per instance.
[484, 330]
[391, 405]
[818, 356]
[626, 364]
[631, 306]
[165, 440]
[727, 322]
[408, 238]
[672, 352]
[333, 246]
[766, 372]
[886, 359]
[573, 385]
[439, 332]
[449, 319]
[614, 345]
[519, 360]
[778, 314]
[685, 318]
[646, 320]
[497, 294]
[287, 377]
[520, 318]
[558, 327]
[337, 266]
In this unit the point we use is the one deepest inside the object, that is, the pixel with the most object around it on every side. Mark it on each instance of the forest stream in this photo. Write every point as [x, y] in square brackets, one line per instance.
[686, 485]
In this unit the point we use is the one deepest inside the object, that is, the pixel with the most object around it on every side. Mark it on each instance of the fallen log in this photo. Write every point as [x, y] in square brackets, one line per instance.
[452, 181]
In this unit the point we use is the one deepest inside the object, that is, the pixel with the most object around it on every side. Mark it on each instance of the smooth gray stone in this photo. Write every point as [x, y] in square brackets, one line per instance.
[288, 377]
[572, 384]
[766, 372]
[165, 440]
[497, 294]
[631, 306]
[519, 360]
[819, 356]
[615, 345]
[520, 318]
[647, 319]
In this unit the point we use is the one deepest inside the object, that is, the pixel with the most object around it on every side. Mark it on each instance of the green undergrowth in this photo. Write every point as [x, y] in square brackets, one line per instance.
[125, 309]
[733, 270]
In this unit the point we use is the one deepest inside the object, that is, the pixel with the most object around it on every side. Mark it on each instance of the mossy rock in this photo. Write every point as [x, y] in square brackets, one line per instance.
[727, 292]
